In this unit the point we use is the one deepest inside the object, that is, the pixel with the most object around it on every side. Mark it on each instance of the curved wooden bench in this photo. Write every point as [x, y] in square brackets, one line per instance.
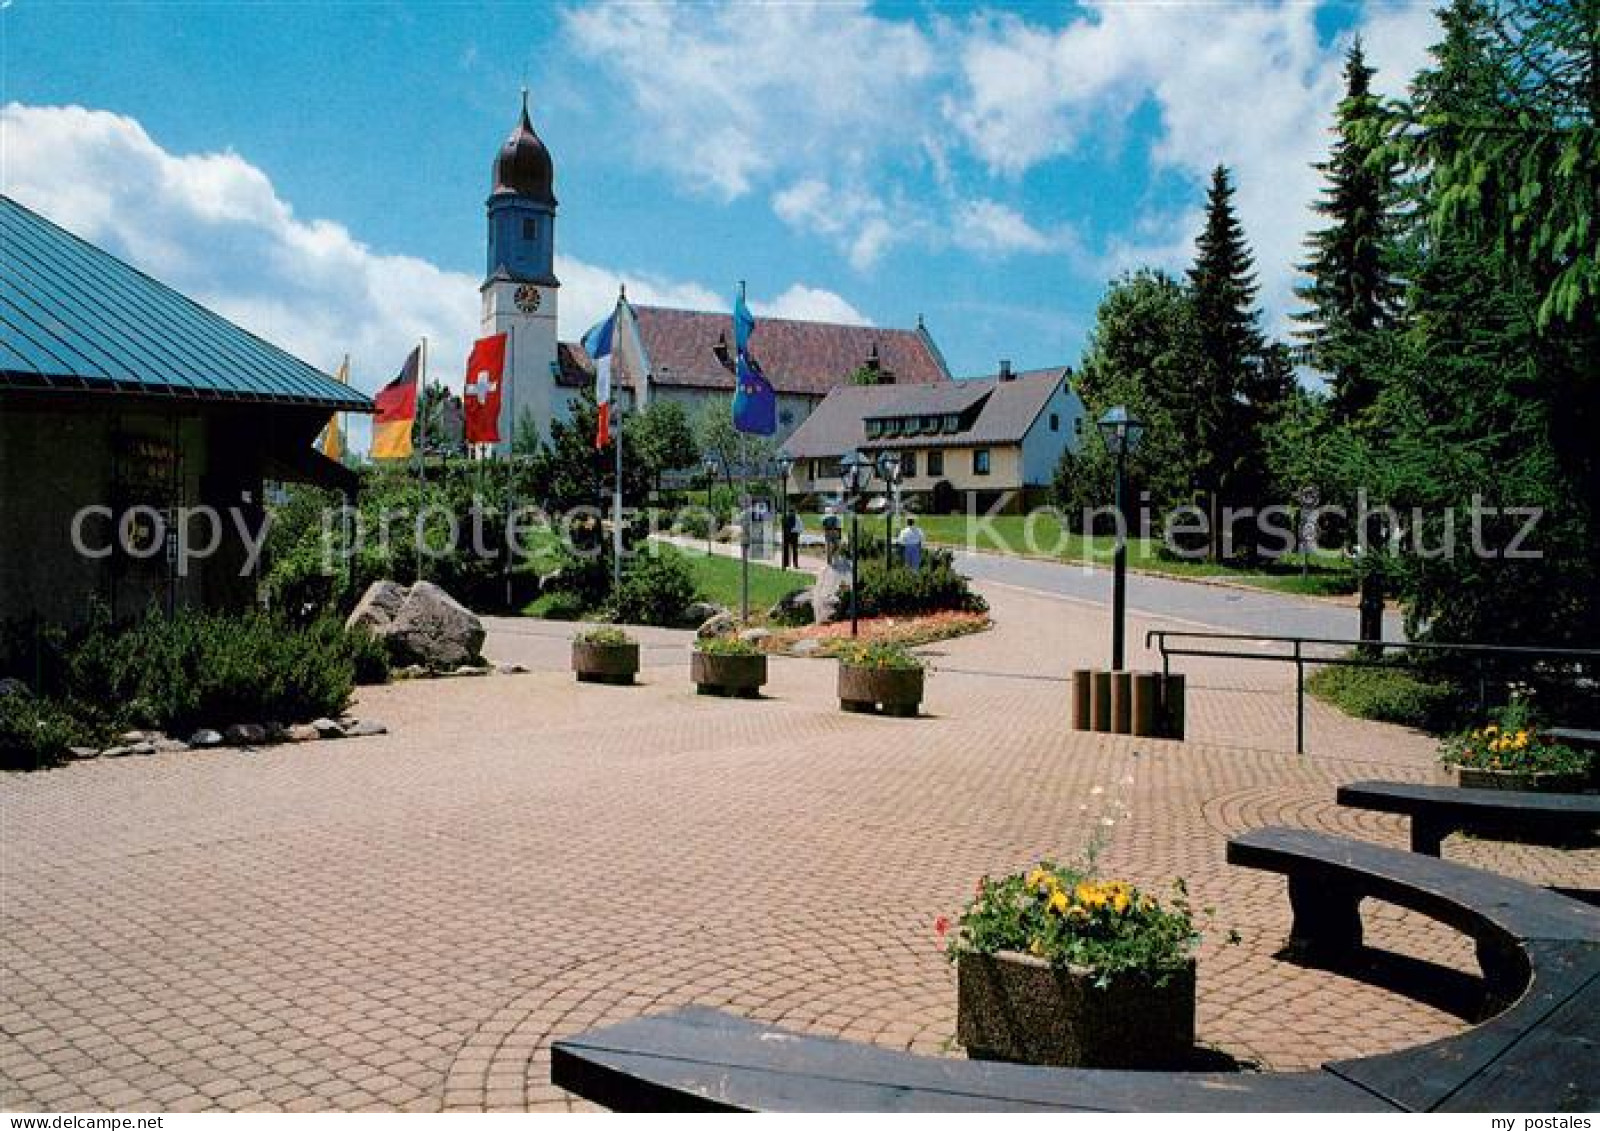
[1436, 811]
[1541, 948]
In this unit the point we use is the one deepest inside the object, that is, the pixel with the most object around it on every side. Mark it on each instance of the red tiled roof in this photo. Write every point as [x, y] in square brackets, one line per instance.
[799, 358]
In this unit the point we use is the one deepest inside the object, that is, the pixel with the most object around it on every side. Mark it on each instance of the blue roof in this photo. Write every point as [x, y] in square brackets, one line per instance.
[74, 317]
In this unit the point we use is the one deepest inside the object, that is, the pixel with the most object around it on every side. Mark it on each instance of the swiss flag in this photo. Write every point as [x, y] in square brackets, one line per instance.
[485, 369]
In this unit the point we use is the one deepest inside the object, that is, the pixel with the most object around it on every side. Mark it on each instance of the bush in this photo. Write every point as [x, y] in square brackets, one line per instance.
[898, 591]
[1513, 741]
[879, 654]
[34, 733]
[559, 604]
[656, 588]
[1390, 693]
[369, 657]
[726, 646]
[607, 634]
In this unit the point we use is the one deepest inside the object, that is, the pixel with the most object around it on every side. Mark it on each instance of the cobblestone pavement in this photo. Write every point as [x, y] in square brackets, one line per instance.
[407, 921]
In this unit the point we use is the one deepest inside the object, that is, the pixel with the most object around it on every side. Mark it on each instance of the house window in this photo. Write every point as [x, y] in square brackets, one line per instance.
[530, 227]
[980, 461]
[952, 422]
[1055, 422]
[816, 469]
[935, 463]
[786, 417]
[930, 424]
[908, 465]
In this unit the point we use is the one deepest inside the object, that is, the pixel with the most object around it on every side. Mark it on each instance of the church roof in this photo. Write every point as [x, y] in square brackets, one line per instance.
[992, 410]
[523, 166]
[799, 358]
[74, 317]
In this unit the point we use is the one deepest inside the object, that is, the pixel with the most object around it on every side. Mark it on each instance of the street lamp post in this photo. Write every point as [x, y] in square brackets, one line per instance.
[889, 469]
[1121, 433]
[710, 465]
[784, 464]
[855, 472]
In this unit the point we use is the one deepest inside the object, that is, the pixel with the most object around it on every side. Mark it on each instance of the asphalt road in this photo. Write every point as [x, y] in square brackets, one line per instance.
[1187, 604]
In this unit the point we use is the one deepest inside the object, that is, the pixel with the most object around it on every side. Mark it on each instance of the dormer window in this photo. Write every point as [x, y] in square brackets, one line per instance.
[952, 422]
[930, 424]
[874, 429]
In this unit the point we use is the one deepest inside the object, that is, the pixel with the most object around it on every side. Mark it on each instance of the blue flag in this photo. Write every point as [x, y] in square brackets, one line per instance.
[755, 403]
[744, 324]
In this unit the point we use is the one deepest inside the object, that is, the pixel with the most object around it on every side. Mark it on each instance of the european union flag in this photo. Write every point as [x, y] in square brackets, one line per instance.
[755, 403]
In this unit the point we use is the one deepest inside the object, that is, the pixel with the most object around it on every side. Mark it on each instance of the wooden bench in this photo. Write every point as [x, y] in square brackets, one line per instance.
[1539, 1055]
[1436, 811]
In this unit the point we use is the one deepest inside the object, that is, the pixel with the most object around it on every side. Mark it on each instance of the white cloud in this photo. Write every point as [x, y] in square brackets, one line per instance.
[811, 305]
[213, 227]
[991, 228]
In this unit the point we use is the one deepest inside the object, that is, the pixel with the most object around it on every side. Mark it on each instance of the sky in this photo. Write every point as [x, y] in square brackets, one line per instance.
[318, 172]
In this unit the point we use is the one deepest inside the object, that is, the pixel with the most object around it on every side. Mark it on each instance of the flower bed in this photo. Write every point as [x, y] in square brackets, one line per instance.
[1511, 752]
[728, 666]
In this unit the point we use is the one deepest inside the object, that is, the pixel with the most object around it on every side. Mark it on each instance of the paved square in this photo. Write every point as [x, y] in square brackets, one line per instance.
[407, 921]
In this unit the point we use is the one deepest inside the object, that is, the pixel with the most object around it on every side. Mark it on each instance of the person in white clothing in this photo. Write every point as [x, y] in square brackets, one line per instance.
[910, 543]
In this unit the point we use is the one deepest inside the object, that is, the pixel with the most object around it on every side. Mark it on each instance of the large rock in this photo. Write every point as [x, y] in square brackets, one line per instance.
[793, 608]
[422, 626]
[434, 629]
[698, 612]
[827, 593]
[723, 624]
[378, 607]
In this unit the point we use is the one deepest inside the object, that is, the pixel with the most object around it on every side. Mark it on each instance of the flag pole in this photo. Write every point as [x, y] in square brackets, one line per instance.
[616, 498]
[422, 441]
[511, 453]
[744, 495]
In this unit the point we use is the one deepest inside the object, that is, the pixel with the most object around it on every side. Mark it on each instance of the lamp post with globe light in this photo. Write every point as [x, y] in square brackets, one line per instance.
[855, 473]
[889, 470]
[1121, 432]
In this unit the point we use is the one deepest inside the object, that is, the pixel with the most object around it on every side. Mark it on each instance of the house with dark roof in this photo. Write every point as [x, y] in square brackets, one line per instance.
[981, 443]
[686, 356]
[125, 407]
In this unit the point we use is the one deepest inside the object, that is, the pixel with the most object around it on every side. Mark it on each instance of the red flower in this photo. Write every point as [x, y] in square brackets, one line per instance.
[940, 926]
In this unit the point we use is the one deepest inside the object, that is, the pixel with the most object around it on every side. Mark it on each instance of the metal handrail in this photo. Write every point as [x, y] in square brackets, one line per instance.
[1299, 659]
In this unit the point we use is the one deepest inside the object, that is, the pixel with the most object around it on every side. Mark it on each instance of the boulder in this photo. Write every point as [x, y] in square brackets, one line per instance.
[378, 607]
[82, 753]
[9, 686]
[170, 745]
[116, 752]
[827, 593]
[433, 629]
[723, 624]
[511, 669]
[807, 647]
[363, 728]
[793, 608]
[303, 732]
[142, 749]
[754, 635]
[698, 612]
[202, 739]
[327, 728]
[472, 669]
[245, 734]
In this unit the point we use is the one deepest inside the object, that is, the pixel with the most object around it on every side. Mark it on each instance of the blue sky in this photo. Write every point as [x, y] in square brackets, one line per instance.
[318, 172]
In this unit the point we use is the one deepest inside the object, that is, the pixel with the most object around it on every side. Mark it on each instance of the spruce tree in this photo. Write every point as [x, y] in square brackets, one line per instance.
[1351, 292]
[1229, 388]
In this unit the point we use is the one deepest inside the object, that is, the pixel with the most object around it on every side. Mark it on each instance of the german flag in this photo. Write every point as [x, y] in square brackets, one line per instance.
[397, 410]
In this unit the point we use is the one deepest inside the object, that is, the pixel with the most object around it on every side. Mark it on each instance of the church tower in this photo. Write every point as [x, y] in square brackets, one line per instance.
[519, 290]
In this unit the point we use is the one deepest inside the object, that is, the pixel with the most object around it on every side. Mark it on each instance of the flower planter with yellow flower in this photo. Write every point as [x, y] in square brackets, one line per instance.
[605, 655]
[880, 677]
[1056, 967]
[1511, 753]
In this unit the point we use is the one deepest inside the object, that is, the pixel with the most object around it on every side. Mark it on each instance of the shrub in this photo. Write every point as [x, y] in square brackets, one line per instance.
[1390, 693]
[606, 634]
[656, 588]
[369, 657]
[726, 646]
[558, 604]
[898, 591]
[34, 733]
[1069, 918]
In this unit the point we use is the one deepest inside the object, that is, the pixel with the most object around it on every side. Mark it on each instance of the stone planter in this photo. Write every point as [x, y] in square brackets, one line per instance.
[605, 663]
[1526, 781]
[896, 691]
[1019, 1008]
[738, 676]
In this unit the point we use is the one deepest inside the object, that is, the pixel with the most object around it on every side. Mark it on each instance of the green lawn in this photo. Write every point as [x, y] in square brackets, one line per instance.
[1042, 535]
[717, 579]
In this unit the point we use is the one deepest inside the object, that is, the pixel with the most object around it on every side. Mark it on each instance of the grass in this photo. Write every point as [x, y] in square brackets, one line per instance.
[1042, 535]
[716, 578]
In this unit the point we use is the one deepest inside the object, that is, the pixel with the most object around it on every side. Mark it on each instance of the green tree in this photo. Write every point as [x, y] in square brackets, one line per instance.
[1351, 291]
[663, 437]
[1236, 392]
[719, 439]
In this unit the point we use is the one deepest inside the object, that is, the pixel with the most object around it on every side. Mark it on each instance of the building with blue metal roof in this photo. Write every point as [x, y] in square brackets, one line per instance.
[129, 410]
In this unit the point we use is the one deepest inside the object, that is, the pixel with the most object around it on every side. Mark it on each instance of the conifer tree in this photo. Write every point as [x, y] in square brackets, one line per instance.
[1351, 292]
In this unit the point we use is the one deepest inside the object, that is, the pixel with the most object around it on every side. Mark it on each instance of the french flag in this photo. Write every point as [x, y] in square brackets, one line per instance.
[598, 342]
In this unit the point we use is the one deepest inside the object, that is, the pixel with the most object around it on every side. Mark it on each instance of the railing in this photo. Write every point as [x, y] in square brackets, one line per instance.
[1369, 654]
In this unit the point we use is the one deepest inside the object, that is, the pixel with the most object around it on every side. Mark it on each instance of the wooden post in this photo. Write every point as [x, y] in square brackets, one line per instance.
[1121, 702]
[1172, 706]
[1081, 695]
[1147, 704]
[1100, 702]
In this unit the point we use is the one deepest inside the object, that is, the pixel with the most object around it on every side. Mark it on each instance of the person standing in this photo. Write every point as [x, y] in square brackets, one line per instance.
[910, 543]
[791, 539]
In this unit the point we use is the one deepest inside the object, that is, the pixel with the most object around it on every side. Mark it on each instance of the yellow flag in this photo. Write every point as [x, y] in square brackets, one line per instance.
[332, 441]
